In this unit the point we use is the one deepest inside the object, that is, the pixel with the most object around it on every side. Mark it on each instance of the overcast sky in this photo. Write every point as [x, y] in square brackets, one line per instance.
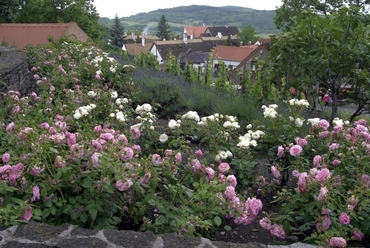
[109, 8]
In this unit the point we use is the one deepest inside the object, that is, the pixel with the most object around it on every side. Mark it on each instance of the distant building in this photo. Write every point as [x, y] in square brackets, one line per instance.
[19, 35]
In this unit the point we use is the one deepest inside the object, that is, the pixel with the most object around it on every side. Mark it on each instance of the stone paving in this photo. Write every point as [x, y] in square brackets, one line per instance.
[39, 235]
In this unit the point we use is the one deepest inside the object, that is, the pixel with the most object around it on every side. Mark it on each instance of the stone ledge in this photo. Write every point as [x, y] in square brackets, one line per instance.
[40, 235]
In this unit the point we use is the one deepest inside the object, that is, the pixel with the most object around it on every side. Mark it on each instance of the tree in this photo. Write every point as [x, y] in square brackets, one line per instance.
[163, 29]
[248, 34]
[284, 18]
[8, 10]
[117, 33]
[82, 12]
[327, 51]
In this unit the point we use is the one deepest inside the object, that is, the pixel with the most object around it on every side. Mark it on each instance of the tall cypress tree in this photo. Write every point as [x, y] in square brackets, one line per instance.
[163, 29]
[117, 33]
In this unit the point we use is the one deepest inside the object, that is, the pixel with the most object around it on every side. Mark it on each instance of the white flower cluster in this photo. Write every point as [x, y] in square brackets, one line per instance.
[172, 124]
[298, 121]
[250, 139]
[313, 121]
[163, 138]
[221, 155]
[120, 102]
[215, 117]
[191, 115]
[119, 115]
[145, 114]
[100, 56]
[296, 102]
[113, 94]
[270, 111]
[339, 122]
[83, 111]
[91, 94]
[231, 125]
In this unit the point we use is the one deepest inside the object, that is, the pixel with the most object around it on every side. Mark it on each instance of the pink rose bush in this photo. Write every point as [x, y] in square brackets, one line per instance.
[328, 171]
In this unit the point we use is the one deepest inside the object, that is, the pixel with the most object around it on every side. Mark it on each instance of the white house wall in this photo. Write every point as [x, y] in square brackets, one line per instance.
[226, 62]
[156, 54]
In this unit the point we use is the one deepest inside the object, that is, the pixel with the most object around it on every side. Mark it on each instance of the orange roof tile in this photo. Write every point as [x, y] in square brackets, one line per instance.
[196, 31]
[20, 35]
[233, 53]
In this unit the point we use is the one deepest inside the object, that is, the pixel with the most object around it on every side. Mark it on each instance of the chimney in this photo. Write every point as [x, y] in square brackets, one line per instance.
[164, 39]
[191, 36]
[219, 35]
[241, 43]
[133, 35]
[142, 40]
[185, 38]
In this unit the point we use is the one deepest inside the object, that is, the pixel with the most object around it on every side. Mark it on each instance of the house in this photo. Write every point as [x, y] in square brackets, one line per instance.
[249, 64]
[221, 31]
[194, 58]
[19, 35]
[138, 48]
[161, 49]
[133, 38]
[231, 56]
[193, 32]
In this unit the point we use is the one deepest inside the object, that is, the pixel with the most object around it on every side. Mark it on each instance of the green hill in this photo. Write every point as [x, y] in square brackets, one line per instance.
[178, 17]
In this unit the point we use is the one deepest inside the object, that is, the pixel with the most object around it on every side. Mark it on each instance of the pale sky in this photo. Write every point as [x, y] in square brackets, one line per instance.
[109, 8]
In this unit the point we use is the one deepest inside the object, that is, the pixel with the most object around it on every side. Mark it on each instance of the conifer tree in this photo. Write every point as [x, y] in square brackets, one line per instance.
[117, 33]
[163, 29]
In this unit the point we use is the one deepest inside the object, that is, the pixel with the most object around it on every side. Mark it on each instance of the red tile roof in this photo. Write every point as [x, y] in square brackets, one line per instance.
[196, 31]
[233, 53]
[20, 35]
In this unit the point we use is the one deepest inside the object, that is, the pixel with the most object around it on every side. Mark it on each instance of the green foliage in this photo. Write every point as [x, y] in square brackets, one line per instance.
[63, 11]
[172, 65]
[248, 34]
[262, 20]
[145, 60]
[117, 33]
[163, 28]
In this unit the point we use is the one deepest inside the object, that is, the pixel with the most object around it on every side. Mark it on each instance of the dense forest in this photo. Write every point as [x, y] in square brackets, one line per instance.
[261, 20]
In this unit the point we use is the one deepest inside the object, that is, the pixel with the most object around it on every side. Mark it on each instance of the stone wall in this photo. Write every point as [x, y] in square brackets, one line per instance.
[14, 71]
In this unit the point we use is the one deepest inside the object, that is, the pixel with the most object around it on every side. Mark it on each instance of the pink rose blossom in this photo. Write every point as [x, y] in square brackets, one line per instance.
[136, 148]
[275, 172]
[199, 153]
[336, 162]
[95, 159]
[210, 173]
[27, 214]
[301, 141]
[223, 168]
[280, 152]
[323, 224]
[97, 129]
[9, 128]
[338, 242]
[323, 193]
[324, 134]
[253, 206]
[156, 159]
[178, 157]
[324, 124]
[265, 223]
[36, 194]
[302, 181]
[230, 192]
[44, 125]
[325, 211]
[317, 160]
[123, 138]
[124, 186]
[6, 158]
[277, 231]
[338, 128]
[333, 147]
[344, 218]
[145, 179]
[127, 154]
[357, 235]
[231, 179]
[71, 138]
[323, 175]
[107, 136]
[196, 164]
[136, 132]
[295, 150]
